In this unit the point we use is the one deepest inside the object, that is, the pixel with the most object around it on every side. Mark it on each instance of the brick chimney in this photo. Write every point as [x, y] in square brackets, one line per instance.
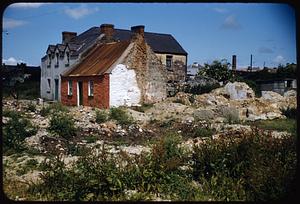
[67, 36]
[234, 62]
[139, 29]
[108, 31]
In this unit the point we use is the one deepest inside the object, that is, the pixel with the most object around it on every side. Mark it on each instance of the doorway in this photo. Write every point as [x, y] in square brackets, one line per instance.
[79, 94]
[56, 89]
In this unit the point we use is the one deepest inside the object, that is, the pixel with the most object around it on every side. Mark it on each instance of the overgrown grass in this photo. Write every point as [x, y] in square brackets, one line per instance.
[289, 125]
[253, 167]
[53, 107]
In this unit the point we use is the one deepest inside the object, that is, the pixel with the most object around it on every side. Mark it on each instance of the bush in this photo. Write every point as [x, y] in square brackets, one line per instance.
[62, 124]
[203, 132]
[11, 113]
[201, 89]
[57, 106]
[45, 111]
[31, 107]
[15, 131]
[121, 116]
[101, 116]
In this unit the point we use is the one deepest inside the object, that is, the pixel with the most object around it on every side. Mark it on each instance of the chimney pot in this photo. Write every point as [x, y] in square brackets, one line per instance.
[139, 29]
[67, 36]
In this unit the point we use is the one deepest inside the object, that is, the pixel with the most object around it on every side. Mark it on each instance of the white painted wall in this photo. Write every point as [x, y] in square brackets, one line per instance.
[123, 87]
[53, 73]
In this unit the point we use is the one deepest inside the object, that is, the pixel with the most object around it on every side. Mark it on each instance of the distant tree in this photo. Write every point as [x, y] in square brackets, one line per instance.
[218, 70]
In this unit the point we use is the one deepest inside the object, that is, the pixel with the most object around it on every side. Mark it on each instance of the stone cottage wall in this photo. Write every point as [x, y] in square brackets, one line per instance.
[150, 74]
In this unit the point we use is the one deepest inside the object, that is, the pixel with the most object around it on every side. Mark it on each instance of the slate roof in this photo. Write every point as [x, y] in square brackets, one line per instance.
[160, 43]
[99, 59]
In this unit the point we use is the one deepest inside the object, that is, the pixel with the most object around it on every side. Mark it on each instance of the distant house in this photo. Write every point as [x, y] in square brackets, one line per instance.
[277, 85]
[61, 57]
[192, 70]
[114, 73]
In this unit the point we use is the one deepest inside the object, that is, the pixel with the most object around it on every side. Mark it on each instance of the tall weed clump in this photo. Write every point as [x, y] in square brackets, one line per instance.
[62, 124]
[120, 116]
[15, 131]
[101, 116]
[252, 167]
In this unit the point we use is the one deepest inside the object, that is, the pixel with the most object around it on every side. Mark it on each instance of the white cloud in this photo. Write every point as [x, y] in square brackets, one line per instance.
[231, 23]
[220, 10]
[11, 61]
[279, 59]
[12, 23]
[26, 5]
[79, 12]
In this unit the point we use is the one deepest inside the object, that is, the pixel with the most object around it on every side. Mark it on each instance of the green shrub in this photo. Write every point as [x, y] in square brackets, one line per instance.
[62, 124]
[120, 116]
[45, 111]
[200, 89]
[91, 139]
[203, 132]
[101, 116]
[31, 107]
[15, 131]
[11, 113]
[57, 106]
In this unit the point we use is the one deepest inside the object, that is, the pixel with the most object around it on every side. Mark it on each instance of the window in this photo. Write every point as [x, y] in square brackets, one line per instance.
[68, 59]
[169, 61]
[70, 88]
[49, 60]
[91, 88]
[49, 83]
[57, 60]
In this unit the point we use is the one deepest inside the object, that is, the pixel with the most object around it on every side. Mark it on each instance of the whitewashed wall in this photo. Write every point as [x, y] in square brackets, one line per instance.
[123, 87]
[53, 73]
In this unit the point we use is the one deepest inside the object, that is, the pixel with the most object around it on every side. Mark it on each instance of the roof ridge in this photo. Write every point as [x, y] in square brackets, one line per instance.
[145, 32]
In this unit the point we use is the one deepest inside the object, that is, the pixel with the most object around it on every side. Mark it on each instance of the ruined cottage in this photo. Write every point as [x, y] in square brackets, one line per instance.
[75, 49]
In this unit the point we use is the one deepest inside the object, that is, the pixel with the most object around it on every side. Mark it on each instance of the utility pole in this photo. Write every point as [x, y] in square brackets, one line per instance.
[251, 62]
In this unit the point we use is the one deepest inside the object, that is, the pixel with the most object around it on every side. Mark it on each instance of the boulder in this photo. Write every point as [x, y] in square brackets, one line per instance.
[290, 93]
[204, 114]
[235, 91]
[271, 96]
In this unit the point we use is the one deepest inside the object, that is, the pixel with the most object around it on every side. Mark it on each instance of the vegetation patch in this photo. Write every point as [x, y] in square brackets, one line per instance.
[62, 124]
[101, 116]
[120, 116]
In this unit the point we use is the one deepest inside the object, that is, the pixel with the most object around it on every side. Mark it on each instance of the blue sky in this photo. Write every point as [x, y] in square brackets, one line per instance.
[207, 31]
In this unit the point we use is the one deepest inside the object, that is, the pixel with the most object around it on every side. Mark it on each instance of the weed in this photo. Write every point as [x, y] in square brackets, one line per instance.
[62, 124]
[31, 107]
[203, 132]
[15, 131]
[121, 116]
[101, 116]
[11, 113]
[45, 111]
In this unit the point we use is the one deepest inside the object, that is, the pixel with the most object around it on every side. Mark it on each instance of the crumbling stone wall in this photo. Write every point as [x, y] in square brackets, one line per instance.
[151, 77]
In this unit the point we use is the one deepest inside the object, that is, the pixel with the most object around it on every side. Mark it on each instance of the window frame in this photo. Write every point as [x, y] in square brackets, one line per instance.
[91, 88]
[169, 58]
[70, 87]
[57, 59]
